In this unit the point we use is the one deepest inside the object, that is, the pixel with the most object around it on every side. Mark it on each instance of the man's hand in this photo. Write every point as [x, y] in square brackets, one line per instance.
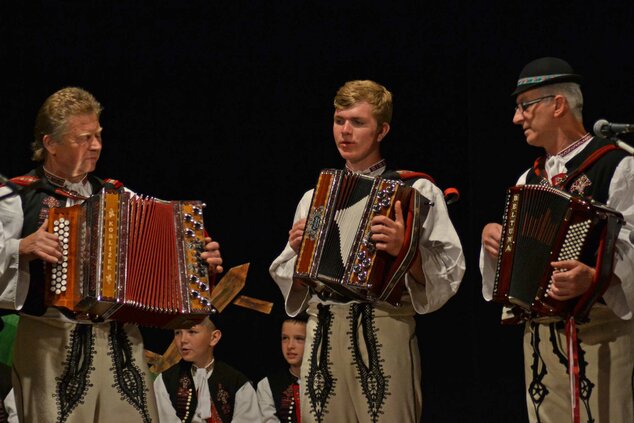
[212, 256]
[491, 235]
[41, 245]
[388, 235]
[570, 279]
[295, 235]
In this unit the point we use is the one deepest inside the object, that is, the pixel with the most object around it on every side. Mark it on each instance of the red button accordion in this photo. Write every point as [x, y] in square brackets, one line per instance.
[337, 254]
[130, 258]
[541, 225]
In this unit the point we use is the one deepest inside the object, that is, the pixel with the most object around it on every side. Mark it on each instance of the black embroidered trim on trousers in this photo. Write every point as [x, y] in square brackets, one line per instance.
[73, 384]
[374, 382]
[537, 390]
[320, 383]
[128, 377]
[585, 385]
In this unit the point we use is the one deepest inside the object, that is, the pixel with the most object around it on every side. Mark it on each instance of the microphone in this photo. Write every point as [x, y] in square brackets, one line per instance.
[604, 129]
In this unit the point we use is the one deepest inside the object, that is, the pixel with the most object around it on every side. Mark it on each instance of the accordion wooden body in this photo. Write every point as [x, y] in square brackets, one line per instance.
[336, 253]
[130, 258]
[541, 225]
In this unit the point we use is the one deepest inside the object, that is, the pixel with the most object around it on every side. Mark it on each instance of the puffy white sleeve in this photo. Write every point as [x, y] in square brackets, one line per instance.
[266, 402]
[620, 294]
[246, 408]
[14, 274]
[442, 258]
[166, 411]
[283, 266]
[488, 264]
[10, 407]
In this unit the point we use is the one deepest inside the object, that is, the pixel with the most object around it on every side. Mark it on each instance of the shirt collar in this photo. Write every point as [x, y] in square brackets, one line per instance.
[79, 189]
[575, 147]
[375, 170]
[61, 182]
[209, 367]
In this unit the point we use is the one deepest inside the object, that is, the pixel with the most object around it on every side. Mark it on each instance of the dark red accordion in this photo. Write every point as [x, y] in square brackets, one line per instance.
[131, 258]
[541, 225]
[336, 252]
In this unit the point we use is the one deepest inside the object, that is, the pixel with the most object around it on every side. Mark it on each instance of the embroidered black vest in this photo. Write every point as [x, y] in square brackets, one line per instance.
[281, 384]
[37, 198]
[224, 382]
[595, 181]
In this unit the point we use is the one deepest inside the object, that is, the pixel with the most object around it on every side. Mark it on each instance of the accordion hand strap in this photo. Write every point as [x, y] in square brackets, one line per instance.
[603, 273]
[603, 268]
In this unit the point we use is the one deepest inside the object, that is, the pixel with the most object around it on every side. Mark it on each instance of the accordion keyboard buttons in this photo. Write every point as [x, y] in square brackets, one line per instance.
[572, 245]
[61, 228]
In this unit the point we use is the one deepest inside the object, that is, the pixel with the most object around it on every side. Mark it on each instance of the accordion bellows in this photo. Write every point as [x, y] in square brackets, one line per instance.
[130, 258]
[337, 254]
[541, 225]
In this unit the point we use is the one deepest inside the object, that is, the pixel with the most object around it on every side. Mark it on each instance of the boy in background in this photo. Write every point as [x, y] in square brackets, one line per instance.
[200, 389]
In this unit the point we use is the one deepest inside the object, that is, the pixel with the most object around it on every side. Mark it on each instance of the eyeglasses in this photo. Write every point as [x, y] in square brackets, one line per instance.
[523, 106]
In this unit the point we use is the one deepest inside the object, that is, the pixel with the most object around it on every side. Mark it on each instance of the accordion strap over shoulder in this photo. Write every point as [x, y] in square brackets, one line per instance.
[24, 180]
[406, 175]
[28, 182]
[565, 183]
[113, 182]
[538, 166]
[451, 194]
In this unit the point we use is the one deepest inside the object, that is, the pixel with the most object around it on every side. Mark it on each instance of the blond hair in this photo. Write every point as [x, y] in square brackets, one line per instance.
[52, 118]
[353, 92]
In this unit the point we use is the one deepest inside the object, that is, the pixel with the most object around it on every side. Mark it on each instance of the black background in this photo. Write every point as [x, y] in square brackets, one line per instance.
[230, 102]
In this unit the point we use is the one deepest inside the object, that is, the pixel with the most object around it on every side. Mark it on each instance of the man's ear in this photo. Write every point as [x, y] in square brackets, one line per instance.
[385, 128]
[49, 144]
[561, 105]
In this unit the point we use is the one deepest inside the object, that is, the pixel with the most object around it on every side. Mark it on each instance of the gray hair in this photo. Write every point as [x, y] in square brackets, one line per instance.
[572, 92]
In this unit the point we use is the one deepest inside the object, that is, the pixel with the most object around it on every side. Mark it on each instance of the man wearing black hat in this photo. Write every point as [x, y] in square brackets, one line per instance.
[549, 110]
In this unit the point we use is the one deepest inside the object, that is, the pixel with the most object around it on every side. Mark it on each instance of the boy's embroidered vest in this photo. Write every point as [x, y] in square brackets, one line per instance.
[283, 387]
[224, 382]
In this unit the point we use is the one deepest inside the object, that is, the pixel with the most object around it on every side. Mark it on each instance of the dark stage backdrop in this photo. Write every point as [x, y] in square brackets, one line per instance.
[230, 102]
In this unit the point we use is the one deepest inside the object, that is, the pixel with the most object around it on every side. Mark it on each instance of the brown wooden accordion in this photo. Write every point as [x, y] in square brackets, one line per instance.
[337, 255]
[541, 225]
[130, 258]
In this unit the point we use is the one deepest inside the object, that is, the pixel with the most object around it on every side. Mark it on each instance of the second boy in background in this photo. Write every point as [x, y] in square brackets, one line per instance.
[278, 393]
